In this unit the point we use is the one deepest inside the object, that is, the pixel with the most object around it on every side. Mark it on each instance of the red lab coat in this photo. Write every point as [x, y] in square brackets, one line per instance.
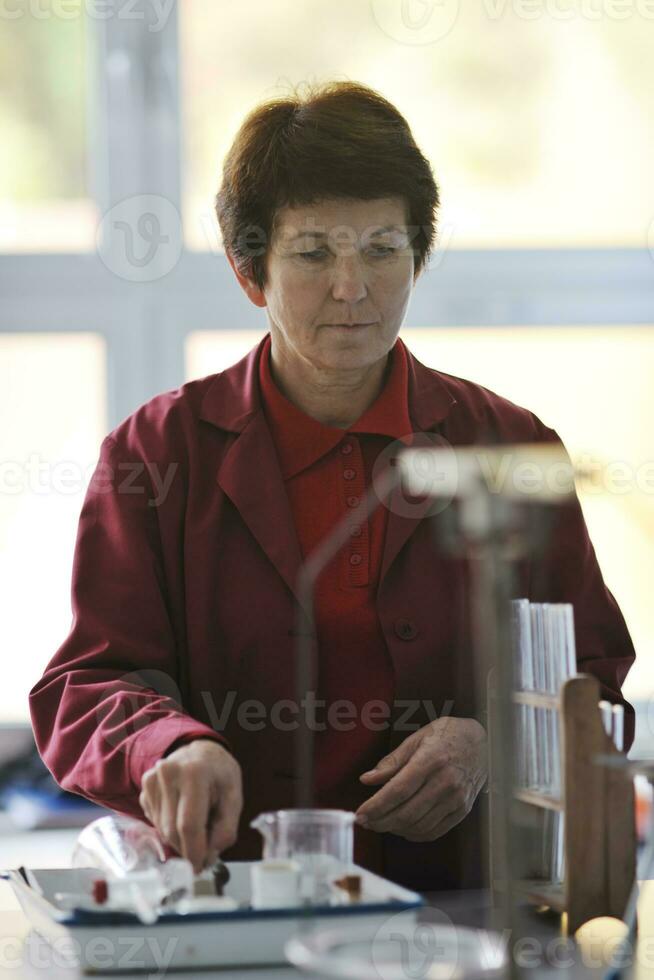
[184, 606]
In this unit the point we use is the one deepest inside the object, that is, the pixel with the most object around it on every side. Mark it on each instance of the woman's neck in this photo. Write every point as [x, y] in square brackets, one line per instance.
[335, 398]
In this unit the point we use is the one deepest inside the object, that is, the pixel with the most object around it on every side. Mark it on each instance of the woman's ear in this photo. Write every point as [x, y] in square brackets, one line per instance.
[249, 287]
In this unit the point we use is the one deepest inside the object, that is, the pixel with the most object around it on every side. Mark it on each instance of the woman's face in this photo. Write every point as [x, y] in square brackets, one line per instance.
[339, 279]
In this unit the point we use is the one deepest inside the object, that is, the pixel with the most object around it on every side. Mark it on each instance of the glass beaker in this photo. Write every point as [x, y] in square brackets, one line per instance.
[133, 856]
[320, 840]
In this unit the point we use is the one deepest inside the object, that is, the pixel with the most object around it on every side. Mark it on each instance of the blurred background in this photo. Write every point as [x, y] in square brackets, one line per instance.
[115, 119]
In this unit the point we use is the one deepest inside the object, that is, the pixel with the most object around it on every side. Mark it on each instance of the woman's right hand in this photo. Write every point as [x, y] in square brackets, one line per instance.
[194, 797]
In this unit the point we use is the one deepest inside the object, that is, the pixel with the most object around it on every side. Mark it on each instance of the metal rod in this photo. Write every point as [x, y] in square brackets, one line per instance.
[306, 657]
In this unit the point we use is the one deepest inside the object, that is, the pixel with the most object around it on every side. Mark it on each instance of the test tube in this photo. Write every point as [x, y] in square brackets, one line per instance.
[617, 711]
[606, 710]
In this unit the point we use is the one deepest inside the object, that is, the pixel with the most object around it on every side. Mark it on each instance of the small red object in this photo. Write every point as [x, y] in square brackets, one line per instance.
[100, 891]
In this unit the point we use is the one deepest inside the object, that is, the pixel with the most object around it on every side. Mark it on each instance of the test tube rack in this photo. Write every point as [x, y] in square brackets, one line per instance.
[597, 804]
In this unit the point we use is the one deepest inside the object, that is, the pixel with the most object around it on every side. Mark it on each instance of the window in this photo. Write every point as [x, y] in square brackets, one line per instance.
[44, 199]
[52, 419]
[517, 112]
[115, 122]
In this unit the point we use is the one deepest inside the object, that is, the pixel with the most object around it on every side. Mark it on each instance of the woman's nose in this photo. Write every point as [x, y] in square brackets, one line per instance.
[348, 281]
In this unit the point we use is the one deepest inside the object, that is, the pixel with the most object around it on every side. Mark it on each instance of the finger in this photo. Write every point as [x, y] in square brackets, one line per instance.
[192, 816]
[397, 790]
[406, 813]
[441, 787]
[377, 775]
[168, 813]
[223, 830]
[389, 764]
[433, 792]
[150, 797]
[402, 786]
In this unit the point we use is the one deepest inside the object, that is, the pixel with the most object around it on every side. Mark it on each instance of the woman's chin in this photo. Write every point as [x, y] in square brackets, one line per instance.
[350, 354]
[346, 360]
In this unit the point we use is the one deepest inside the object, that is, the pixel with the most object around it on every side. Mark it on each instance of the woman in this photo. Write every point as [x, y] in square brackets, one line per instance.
[173, 696]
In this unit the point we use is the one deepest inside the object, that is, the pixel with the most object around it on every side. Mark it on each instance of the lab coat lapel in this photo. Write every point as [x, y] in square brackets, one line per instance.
[251, 477]
[249, 472]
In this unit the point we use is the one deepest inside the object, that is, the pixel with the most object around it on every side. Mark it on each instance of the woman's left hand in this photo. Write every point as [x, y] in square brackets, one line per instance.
[431, 780]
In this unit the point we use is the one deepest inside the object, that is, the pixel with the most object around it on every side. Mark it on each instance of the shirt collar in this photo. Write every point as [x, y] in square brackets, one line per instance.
[301, 440]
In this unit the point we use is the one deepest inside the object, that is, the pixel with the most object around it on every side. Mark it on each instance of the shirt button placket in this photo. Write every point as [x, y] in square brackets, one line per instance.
[354, 490]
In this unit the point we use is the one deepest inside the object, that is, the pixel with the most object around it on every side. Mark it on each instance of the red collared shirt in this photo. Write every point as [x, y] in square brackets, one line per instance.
[326, 472]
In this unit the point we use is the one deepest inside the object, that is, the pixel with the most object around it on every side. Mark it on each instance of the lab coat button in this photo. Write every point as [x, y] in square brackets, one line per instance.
[405, 629]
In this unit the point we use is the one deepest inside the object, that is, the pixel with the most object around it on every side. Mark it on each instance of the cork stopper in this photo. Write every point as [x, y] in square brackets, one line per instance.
[350, 884]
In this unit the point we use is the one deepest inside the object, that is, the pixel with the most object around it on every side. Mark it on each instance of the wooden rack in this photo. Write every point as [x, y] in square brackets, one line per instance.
[598, 812]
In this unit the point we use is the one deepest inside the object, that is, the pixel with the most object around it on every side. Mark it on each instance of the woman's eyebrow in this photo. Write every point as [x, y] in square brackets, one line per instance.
[323, 234]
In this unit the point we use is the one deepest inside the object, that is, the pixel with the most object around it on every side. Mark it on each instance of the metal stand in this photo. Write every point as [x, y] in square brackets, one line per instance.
[495, 529]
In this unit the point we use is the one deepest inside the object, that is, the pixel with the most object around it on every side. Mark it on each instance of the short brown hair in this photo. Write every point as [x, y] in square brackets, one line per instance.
[341, 139]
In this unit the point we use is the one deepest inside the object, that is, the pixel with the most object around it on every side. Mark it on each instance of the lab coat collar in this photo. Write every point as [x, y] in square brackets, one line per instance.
[249, 472]
[233, 397]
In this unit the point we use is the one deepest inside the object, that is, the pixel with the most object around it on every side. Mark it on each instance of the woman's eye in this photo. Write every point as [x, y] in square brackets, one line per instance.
[319, 253]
